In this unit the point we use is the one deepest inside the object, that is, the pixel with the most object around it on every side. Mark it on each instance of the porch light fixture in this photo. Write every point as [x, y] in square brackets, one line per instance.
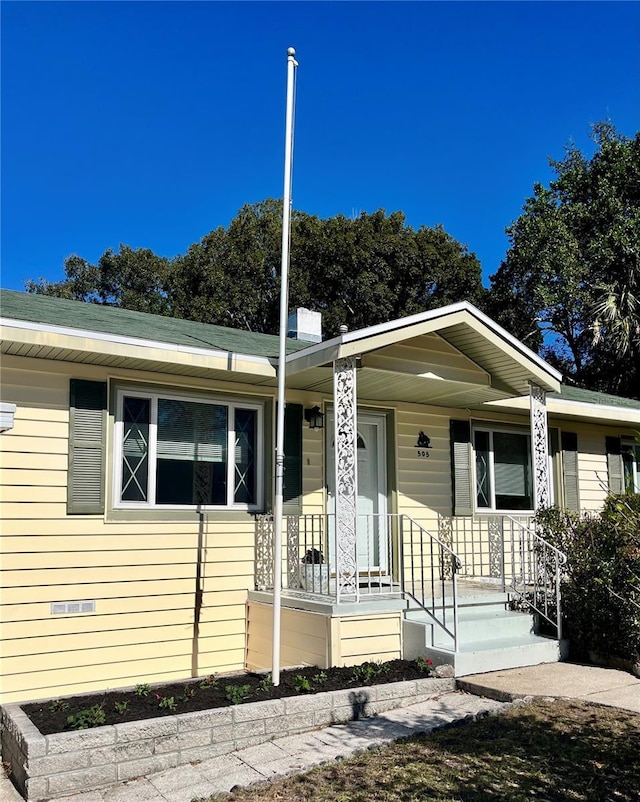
[314, 418]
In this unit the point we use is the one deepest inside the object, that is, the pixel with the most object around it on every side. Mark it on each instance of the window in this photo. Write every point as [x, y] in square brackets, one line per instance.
[174, 451]
[630, 453]
[503, 470]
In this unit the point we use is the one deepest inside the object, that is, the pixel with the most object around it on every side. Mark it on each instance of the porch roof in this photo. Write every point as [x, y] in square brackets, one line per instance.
[455, 355]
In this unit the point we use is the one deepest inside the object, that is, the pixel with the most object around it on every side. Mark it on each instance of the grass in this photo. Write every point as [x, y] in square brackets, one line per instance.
[556, 751]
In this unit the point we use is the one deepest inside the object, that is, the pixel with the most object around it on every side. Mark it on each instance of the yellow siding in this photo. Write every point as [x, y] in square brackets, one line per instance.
[370, 637]
[304, 637]
[592, 460]
[140, 574]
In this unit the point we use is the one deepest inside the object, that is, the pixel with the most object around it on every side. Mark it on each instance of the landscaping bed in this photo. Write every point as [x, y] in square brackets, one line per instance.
[212, 722]
[144, 702]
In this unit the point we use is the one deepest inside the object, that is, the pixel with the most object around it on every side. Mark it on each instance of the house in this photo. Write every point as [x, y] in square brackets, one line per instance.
[136, 487]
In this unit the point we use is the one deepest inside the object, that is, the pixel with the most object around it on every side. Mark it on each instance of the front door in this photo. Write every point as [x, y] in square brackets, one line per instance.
[372, 545]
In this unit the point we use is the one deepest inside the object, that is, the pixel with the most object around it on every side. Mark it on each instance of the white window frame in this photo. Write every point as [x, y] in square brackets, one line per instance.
[152, 395]
[489, 429]
[629, 444]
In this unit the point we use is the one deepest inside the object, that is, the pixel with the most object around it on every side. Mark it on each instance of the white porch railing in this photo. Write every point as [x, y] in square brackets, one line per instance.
[507, 550]
[429, 576]
[397, 555]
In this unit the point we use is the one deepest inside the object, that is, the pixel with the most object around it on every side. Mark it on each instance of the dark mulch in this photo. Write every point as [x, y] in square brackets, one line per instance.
[215, 691]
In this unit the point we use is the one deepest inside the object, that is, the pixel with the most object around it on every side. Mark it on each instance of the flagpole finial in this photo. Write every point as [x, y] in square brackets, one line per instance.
[291, 51]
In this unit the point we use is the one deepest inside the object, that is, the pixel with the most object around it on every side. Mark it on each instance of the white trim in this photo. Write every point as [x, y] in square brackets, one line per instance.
[423, 317]
[135, 341]
[485, 426]
[587, 406]
[606, 415]
[153, 395]
[7, 412]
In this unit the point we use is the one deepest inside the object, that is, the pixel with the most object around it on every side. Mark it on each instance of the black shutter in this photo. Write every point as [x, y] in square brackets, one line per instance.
[87, 440]
[292, 491]
[571, 484]
[614, 465]
[460, 435]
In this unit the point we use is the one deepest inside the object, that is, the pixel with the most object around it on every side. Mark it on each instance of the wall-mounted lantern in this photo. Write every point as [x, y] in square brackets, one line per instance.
[314, 418]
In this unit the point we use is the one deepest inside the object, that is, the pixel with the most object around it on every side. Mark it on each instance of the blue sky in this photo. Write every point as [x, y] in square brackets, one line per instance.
[152, 123]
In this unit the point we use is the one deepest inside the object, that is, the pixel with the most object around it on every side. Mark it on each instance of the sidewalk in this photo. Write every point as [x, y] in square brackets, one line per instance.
[606, 686]
[482, 694]
[282, 756]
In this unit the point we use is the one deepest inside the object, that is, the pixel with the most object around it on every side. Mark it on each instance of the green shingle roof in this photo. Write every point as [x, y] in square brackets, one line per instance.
[592, 397]
[51, 311]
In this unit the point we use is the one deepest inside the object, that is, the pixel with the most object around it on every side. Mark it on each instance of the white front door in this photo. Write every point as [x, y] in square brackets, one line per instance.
[372, 546]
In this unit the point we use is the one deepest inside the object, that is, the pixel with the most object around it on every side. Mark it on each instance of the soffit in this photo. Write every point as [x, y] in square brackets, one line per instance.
[137, 355]
[476, 345]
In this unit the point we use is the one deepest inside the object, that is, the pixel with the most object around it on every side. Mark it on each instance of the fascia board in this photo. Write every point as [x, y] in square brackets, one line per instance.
[23, 332]
[364, 340]
[598, 413]
[434, 320]
[548, 377]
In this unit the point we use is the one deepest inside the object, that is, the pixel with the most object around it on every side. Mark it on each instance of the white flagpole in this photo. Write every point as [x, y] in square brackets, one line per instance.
[284, 311]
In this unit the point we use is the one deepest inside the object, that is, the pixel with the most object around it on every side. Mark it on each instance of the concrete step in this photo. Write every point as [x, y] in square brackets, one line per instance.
[509, 653]
[464, 602]
[475, 656]
[476, 624]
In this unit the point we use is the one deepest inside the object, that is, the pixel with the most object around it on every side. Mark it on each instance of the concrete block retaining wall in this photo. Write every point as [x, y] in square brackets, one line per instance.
[49, 766]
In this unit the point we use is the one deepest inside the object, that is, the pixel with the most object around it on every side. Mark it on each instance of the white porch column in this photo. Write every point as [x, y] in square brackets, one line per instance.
[346, 467]
[539, 446]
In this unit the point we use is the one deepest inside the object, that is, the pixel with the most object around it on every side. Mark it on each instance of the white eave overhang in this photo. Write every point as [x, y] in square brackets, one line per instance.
[504, 366]
[44, 341]
[564, 409]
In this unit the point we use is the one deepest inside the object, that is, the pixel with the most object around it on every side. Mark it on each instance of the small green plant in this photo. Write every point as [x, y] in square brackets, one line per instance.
[142, 690]
[209, 682]
[366, 672]
[166, 703]
[188, 693]
[320, 678]
[58, 706]
[426, 666]
[121, 707]
[236, 694]
[302, 684]
[266, 683]
[92, 716]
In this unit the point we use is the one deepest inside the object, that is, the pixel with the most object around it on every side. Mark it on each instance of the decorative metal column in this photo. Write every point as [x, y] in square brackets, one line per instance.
[346, 465]
[539, 446]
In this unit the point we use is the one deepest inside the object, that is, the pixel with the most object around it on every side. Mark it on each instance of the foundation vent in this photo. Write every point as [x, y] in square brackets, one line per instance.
[72, 607]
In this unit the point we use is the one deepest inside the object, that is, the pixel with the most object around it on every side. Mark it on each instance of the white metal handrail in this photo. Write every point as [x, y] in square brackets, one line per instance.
[433, 568]
[538, 582]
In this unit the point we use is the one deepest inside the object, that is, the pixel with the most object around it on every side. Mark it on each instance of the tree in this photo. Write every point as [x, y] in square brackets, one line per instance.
[356, 272]
[132, 279]
[569, 284]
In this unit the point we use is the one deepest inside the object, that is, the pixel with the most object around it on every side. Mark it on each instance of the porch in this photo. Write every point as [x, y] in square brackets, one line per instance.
[481, 594]
[401, 448]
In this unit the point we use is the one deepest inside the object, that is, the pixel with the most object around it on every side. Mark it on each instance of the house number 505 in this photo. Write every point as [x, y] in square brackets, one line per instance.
[423, 454]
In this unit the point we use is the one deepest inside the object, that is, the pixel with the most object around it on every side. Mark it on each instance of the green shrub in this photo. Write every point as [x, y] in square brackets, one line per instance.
[167, 703]
[236, 694]
[302, 684]
[601, 582]
[93, 716]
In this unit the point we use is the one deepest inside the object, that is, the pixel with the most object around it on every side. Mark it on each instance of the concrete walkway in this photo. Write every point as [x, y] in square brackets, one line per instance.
[485, 694]
[606, 686]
